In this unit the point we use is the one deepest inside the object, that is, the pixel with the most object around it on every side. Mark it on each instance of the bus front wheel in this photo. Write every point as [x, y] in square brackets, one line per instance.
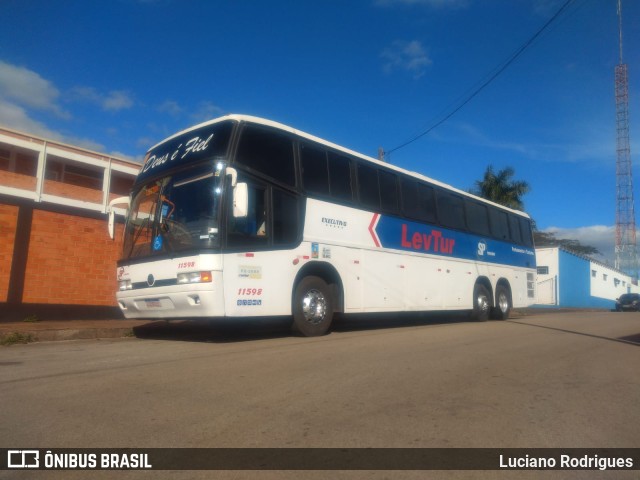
[312, 307]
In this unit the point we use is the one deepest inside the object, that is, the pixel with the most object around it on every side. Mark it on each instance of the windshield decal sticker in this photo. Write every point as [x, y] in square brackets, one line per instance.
[196, 144]
[157, 243]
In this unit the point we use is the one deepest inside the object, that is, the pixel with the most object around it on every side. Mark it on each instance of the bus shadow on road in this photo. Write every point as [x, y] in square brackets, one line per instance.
[214, 331]
[631, 339]
[628, 339]
[380, 321]
[249, 329]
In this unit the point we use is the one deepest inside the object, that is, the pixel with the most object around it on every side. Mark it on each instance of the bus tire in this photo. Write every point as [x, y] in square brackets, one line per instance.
[312, 307]
[481, 303]
[503, 304]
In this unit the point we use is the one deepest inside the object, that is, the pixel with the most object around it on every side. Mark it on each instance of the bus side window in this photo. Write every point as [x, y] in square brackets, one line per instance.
[499, 224]
[340, 177]
[286, 220]
[477, 218]
[514, 226]
[253, 229]
[427, 199]
[450, 210]
[267, 152]
[525, 228]
[410, 205]
[368, 188]
[315, 174]
[388, 191]
[418, 200]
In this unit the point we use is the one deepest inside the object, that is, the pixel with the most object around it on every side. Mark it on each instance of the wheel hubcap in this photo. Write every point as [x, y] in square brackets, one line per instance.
[503, 302]
[314, 306]
[483, 303]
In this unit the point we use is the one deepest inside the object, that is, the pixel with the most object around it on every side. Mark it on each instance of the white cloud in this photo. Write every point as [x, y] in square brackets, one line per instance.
[145, 143]
[477, 137]
[26, 88]
[591, 148]
[16, 117]
[206, 111]
[117, 100]
[602, 237]
[409, 56]
[111, 101]
[171, 107]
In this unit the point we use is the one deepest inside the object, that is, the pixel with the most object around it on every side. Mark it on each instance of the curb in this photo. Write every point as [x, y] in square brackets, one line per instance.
[53, 330]
[22, 336]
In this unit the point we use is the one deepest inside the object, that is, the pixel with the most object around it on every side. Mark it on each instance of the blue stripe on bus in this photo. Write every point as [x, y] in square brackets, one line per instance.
[410, 236]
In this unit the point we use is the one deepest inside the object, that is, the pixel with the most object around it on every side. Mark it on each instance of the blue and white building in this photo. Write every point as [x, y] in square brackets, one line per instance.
[567, 279]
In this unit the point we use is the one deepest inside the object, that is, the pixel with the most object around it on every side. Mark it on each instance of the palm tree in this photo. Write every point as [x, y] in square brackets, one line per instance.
[499, 188]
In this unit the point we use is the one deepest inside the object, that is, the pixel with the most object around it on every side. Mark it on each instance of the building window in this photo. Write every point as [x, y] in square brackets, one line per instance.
[543, 270]
[604, 277]
[616, 282]
[593, 273]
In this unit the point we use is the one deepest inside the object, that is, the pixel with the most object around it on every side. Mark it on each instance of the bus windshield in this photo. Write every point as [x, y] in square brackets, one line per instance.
[175, 213]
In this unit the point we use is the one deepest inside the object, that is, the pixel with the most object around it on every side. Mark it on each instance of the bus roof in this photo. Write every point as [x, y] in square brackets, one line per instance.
[313, 138]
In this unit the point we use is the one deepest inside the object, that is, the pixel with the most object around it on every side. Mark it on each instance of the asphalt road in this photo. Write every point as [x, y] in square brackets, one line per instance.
[548, 380]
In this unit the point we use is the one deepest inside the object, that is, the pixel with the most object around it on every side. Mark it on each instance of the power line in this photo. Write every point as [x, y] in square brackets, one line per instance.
[497, 73]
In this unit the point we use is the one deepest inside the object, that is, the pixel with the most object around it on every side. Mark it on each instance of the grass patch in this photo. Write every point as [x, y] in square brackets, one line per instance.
[16, 337]
[31, 319]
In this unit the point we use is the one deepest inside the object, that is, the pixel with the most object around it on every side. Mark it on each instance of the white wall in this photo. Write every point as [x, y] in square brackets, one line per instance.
[608, 287]
[547, 287]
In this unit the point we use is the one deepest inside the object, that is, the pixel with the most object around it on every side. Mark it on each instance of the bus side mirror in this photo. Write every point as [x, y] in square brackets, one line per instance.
[112, 213]
[240, 200]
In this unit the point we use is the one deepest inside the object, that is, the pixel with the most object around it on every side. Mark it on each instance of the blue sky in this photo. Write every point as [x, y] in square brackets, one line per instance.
[119, 76]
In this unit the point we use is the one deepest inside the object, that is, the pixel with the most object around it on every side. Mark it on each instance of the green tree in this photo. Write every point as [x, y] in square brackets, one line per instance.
[500, 188]
[548, 239]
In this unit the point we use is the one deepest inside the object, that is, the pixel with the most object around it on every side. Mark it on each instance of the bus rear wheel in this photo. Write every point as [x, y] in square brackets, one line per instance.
[503, 304]
[312, 307]
[481, 303]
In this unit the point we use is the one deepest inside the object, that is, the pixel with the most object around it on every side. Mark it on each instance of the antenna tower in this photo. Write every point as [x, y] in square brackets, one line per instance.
[626, 253]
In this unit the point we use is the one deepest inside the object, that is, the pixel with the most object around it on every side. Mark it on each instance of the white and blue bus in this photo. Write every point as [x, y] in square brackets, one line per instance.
[245, 217]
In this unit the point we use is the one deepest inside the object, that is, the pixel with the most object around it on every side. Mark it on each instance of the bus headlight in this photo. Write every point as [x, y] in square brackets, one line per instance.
[195, 277]
[124, 285]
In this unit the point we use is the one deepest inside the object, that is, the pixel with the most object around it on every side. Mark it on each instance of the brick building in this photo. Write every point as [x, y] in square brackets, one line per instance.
[56, 257]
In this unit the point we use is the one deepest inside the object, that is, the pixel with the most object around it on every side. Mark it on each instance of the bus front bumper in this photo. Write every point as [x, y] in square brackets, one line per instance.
[182, 301]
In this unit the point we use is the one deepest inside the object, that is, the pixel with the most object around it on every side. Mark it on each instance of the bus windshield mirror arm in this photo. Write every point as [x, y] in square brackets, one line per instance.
[233, 173]
[111, 212]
